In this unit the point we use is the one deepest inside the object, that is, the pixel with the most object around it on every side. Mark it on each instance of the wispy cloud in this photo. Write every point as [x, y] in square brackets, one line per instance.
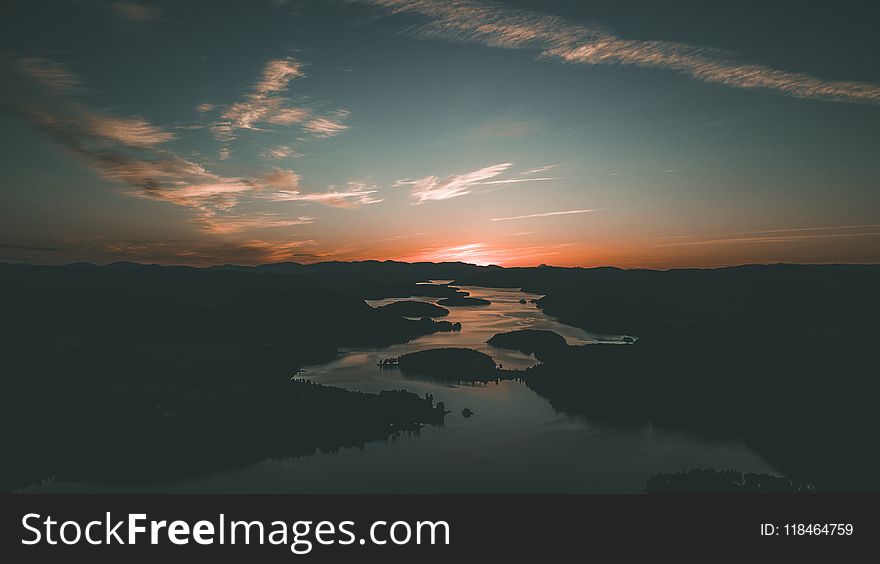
[434, 188]
[519, 180]
[51, 74]
[823, 228]
[355, 194]
[277, 74]
[126, 150]
[496, 25]
[795, 235]
[129, 151]
[284, 179]
[329, 125]
[224, 225]
[158, 174]
[538, 170]
[266, 104]
[129, 131]
[276, 153]
[545, 214]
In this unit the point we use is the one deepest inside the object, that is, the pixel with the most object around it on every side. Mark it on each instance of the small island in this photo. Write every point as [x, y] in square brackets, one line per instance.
[412, 308]
[455, 364]
[456, 301]
[543, 344]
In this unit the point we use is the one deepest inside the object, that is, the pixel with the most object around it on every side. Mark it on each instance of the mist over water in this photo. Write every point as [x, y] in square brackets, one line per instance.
[514, 442]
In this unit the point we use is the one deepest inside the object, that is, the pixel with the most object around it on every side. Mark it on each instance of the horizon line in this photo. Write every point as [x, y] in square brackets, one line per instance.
[85, 263]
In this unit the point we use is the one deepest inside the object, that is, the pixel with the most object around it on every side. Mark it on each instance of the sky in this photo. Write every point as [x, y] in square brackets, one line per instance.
[630, 134]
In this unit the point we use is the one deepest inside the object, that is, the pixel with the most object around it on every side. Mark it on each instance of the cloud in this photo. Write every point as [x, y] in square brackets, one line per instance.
[50, 74]
[824, 228]
[131, 132]
[519, 180]
[289, 116]
[355, 194]
[279, 152]
[538, 170]
[432, 188]
[277, 74]
[546, 214]
[229, 224]
[204, 108]
[158, 174]
[128, 151]
[125, 150]
[285, 179]
[796, 235]
[327, 126]
[555, 38]
[265, 104]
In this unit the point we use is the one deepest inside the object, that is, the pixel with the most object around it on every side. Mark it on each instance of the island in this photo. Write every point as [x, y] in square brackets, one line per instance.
[428, 326]
[412, 308]
[543, 344]
[454, 364]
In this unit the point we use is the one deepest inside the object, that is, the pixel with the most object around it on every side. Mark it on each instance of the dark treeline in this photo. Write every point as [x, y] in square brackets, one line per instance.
[411, 308]
[783, 357]
[104, 369]
[131, 372]
[452, 364]
[709, 480]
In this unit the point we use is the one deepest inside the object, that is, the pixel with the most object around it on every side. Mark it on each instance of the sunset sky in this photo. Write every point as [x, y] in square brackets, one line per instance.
[511, 133]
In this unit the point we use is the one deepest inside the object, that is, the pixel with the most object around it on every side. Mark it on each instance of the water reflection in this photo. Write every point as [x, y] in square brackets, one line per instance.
[513, 442]
[479, 323]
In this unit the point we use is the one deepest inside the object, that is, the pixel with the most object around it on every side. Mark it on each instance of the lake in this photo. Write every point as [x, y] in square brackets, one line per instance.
[514, 441]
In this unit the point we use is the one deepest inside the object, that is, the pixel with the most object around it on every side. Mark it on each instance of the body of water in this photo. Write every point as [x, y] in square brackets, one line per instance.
[514, 441]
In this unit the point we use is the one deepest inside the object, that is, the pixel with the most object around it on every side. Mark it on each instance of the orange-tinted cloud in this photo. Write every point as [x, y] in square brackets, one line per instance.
[266, 104]
[50, 74]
